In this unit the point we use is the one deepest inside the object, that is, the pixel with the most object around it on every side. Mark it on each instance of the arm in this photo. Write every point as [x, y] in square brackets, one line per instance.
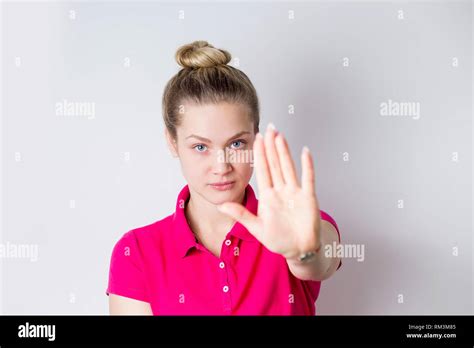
[119, 305]
[319, 267]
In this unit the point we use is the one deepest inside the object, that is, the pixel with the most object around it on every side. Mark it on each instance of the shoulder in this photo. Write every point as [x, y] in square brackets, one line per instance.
[146, 236]
[157, 229]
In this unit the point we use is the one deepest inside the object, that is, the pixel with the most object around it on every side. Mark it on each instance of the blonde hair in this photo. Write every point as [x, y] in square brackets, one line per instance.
[205, 78]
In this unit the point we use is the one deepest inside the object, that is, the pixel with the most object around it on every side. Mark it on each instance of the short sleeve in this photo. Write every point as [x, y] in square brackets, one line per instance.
[126, 272]
[327, 217]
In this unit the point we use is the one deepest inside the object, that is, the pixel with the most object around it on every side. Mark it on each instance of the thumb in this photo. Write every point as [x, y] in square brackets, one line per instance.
[242, 215]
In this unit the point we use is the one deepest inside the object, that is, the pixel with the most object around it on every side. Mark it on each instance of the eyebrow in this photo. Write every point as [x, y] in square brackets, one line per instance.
[207, 140]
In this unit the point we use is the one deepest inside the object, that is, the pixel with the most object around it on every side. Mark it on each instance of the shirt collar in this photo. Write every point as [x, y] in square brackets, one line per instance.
[183, 234]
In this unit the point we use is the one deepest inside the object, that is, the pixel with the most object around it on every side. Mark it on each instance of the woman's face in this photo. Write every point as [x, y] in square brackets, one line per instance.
[214, 145]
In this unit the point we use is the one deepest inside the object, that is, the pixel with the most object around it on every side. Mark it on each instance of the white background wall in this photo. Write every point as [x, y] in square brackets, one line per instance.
[72, 185]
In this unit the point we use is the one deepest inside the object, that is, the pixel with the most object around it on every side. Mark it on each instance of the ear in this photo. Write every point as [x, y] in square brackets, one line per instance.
[172, 145]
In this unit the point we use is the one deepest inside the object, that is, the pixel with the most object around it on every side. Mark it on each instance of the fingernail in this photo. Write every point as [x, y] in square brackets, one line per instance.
[259, 135]
[271, 126]
[305, 149]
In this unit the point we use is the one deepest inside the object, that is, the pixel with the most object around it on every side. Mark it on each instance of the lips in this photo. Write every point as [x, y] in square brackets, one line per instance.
[222, 183]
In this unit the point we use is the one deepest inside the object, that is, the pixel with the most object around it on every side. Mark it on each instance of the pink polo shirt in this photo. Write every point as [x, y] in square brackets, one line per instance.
[162, 264]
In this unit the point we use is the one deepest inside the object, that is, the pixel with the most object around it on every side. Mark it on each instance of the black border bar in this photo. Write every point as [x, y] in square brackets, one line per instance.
[291, 330]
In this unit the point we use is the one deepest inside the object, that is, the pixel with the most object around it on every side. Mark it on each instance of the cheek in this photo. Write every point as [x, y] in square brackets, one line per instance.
[245, 170]
[193, 163]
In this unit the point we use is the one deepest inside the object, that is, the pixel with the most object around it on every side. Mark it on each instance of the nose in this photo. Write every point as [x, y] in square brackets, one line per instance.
[221, 164]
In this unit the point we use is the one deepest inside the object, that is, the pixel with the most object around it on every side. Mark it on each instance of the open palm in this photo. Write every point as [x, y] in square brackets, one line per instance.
[288, 218]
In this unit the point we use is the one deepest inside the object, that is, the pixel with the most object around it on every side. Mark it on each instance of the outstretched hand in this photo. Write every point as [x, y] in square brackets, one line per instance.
[288, 219]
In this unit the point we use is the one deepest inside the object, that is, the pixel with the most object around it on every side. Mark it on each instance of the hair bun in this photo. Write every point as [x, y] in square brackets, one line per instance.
[200, 54]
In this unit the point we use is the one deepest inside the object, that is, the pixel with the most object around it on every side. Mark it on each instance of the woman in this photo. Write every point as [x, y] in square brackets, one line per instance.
[222, 252]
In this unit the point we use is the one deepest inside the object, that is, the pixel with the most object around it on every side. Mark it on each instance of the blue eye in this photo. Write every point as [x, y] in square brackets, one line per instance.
[198, 147]
[239, 141]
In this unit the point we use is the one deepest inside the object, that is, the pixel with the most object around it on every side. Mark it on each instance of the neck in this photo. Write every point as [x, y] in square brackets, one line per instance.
[205, 220]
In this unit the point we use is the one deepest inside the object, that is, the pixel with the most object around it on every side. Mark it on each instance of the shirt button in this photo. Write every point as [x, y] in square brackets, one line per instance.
[221, 265]
[225, 288]
[227, 242]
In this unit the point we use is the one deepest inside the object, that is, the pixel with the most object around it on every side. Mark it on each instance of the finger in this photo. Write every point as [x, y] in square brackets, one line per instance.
[286, 161]
[307, 176]
[243, 216]
[272, 156]
[264, 179]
